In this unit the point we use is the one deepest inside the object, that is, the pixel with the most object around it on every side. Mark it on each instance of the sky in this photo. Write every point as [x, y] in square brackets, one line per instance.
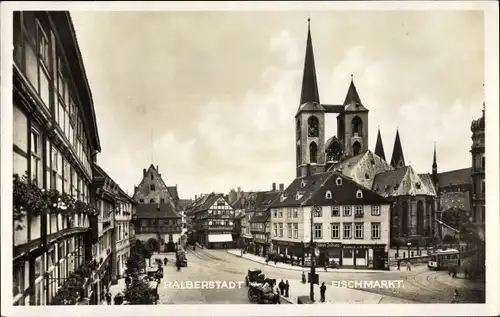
[210, 97]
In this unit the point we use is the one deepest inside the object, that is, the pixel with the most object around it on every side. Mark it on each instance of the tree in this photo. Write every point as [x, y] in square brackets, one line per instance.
[135, 263]
[139, 293]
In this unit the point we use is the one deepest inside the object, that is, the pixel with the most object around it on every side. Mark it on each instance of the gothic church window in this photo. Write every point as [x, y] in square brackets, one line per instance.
[313, 127]
[420, 217]
[357, 126]
[313, 152]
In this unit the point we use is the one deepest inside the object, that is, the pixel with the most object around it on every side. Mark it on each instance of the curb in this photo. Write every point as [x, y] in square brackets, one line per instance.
[306, 268]
[286, 300]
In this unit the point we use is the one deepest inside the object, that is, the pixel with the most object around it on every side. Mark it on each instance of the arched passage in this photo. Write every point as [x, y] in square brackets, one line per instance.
[356, 148]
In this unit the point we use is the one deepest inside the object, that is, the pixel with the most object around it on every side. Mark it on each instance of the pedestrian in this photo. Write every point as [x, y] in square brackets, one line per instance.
[408, 265]
[287, 288]
[326, 265]
[454, 272]
[322, 291]
[108, 297]
[281, 286]
[399, 265]
[291, 260]
[303, 277]
[165, 261]
[178, 263]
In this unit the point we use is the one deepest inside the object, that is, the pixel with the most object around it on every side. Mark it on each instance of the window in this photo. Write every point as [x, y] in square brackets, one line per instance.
[375, 210]
[335, 211]
[280, 213]
[318, 211]
[328, 194]
[375, 230]
[338, 181]
[347, 211]
[289, 213]
[280, 225]
[162, 200]
[358, 211]
[141, 200]
[347, 230]
[275, 226]
[295, 212]
[152, 177]
[152, 201]
[318, 232]
[289, 230]
[359, 193]
[295, 230]
[335, 230]
[36, 158]
[152, 186]
[66, 177]
[275, 212]
[358, 231]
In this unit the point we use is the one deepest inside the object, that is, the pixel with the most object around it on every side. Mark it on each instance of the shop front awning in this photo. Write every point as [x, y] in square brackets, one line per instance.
[227, 237]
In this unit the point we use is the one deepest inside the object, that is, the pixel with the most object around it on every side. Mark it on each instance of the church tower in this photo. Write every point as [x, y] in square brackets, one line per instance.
[379, 147]
[398, 159]
[310, 119]
[435, 170]
[352, 124]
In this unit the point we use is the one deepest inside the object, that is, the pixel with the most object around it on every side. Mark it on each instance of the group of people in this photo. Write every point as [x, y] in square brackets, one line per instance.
[284, 288]
[408, 265]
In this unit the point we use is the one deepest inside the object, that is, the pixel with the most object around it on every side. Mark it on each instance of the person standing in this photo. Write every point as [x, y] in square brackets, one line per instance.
[303, 277]
[322, 291]
[108, 297]
[287, 288]
[408, 266]
[281, 286]
[399, 265]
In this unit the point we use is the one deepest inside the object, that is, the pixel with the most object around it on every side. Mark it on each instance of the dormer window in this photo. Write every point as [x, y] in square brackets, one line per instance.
[417, 185]
[373, 162]
[303, 184]
[328, 194]
[298, 196]
[359, 193]
[367, 176]
[282, 197]
[338, 181]
[395, 186]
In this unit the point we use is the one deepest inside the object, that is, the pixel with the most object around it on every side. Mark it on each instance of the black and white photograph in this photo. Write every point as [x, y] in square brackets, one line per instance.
[211, 158]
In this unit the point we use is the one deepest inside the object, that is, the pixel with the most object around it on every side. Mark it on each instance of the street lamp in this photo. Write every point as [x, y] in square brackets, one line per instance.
[409, 245]
[312, 251]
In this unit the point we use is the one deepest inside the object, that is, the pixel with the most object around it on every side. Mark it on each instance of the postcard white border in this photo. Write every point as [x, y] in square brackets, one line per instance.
[490, 9]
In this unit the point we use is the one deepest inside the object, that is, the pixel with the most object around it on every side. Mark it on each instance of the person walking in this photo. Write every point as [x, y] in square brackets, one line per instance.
[165, 261]
[178, 264]
[399, 265]
[454, 300]
[322, 291]
[108, 297]
[281, 286]
[303, 277]
[408, 266]
[287, 288]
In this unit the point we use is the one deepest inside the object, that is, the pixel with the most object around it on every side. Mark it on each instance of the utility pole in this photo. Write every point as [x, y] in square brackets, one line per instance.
[311, 246]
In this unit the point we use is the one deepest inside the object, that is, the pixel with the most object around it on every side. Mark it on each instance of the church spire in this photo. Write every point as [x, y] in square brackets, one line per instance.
[379, 147]
[352, 94]
[309, 82]
[397, 159]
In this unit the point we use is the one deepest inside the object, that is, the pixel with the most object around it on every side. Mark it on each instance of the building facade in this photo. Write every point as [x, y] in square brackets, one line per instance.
[213, 219]
[123, 217]
[350, 223]
[104, 251]
[478, 216]
[55, 142]
[159, 226]
[260, 222]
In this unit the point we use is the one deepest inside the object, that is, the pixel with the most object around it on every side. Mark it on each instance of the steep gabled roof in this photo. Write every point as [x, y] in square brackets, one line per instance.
[156, 211]
[362, 168]
[352, 95]
[455, 177]
[401, 182]
[260, 216]
[172, 190]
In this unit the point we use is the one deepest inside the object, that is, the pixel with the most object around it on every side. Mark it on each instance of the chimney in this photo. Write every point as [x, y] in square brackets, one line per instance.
[239, 189]
[143, 172]
[282, 187]
[274, 187]
[135, 189]
[308, 170]
[157, 168]
[195, 197]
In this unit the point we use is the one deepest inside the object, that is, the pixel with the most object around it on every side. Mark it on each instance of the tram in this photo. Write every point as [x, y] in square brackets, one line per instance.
[444, 259]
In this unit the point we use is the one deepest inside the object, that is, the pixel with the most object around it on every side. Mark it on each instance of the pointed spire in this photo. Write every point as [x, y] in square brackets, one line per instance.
[379, 147]
[352, 94]
[434, 162]
[309, 82]
[397, 159]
